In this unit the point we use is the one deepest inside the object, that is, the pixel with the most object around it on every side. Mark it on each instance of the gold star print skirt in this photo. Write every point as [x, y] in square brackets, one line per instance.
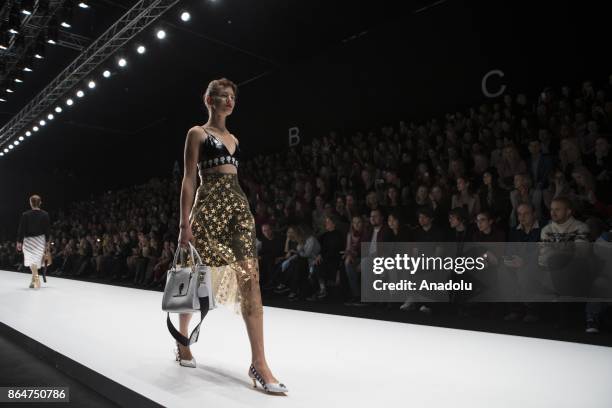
[224, 233]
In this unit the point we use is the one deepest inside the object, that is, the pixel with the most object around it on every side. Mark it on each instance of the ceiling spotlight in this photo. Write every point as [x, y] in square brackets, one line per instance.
[27, 69]
[11, 146]
[14, 20]
[185, 16]
[21, 138]
[9, 90]
[39, 47]
[65, 14]
[6, 150]
[83, 5]
[2, 100]
[27, 7]
[161, 34]
[122, 62]
[4, 40]
[18, 80]
[69, 102]
[80, 93]
[91, 84]
[50, 116]
[106, 74]
[42, 123]
[141, 49]
[28, 133]
[16, 142]
[1, 154]
[53, 31]
[35, 128]
[58, 109]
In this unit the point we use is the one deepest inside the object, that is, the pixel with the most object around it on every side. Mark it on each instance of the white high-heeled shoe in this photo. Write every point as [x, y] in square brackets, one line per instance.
[182, 362]
[268, 387]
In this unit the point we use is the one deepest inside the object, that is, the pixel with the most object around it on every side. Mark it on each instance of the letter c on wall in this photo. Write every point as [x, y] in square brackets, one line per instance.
[485, 78]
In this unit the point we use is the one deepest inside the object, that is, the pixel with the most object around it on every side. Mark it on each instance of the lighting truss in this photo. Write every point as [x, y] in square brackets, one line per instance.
[32, 26]
[129, 25]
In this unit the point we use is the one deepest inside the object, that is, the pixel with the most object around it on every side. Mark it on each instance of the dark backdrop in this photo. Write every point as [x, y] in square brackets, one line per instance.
[412, 67]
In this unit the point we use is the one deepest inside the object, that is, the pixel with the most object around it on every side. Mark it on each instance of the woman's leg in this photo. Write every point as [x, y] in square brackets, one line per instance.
[34, 269]
[184, 319]
[252, 312]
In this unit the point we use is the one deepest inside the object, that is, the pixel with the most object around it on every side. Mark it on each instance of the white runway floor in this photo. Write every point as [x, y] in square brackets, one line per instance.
[323, 359]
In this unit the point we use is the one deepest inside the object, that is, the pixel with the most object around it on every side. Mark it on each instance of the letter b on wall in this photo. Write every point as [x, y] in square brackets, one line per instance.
[294, 136]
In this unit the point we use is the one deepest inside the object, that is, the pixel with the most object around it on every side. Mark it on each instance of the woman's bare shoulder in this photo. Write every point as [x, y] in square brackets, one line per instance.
[197, 132]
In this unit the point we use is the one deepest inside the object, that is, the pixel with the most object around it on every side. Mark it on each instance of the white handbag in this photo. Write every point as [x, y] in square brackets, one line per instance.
[188, 290]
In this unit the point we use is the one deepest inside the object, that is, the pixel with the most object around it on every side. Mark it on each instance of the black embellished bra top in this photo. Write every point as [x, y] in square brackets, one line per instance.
[213, 153]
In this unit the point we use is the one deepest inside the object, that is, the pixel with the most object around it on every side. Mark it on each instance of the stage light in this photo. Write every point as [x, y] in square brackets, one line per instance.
[122, 62]
[28, 133]
[17, 76]
[185, 16]
[21, 138]
[4, 40]
[106, 74]
[83, 5]
[14, 21]
[58, 109]
[28, 63]
[50, 116]
[69, 102]
[66, 13]
[80, 93]
[91, 84]
[39, 48]
[141, 49]
[161, 34]
[53, 31]
[42, 123]
[27, 7]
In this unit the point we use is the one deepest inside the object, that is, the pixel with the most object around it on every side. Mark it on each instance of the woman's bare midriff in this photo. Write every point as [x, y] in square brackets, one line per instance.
[223, 169]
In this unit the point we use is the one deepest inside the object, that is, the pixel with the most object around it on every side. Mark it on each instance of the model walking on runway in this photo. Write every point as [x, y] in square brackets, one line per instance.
[216, 218]
[33, 237]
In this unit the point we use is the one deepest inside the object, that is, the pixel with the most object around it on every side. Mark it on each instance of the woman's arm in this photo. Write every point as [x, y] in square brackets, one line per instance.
[192, 149]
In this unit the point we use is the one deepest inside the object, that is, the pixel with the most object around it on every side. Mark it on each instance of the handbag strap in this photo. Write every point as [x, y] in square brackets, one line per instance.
[195, 333]
[193, 254]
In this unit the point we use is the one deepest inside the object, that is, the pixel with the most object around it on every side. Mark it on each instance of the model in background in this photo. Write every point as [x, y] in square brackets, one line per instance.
[33, 237]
